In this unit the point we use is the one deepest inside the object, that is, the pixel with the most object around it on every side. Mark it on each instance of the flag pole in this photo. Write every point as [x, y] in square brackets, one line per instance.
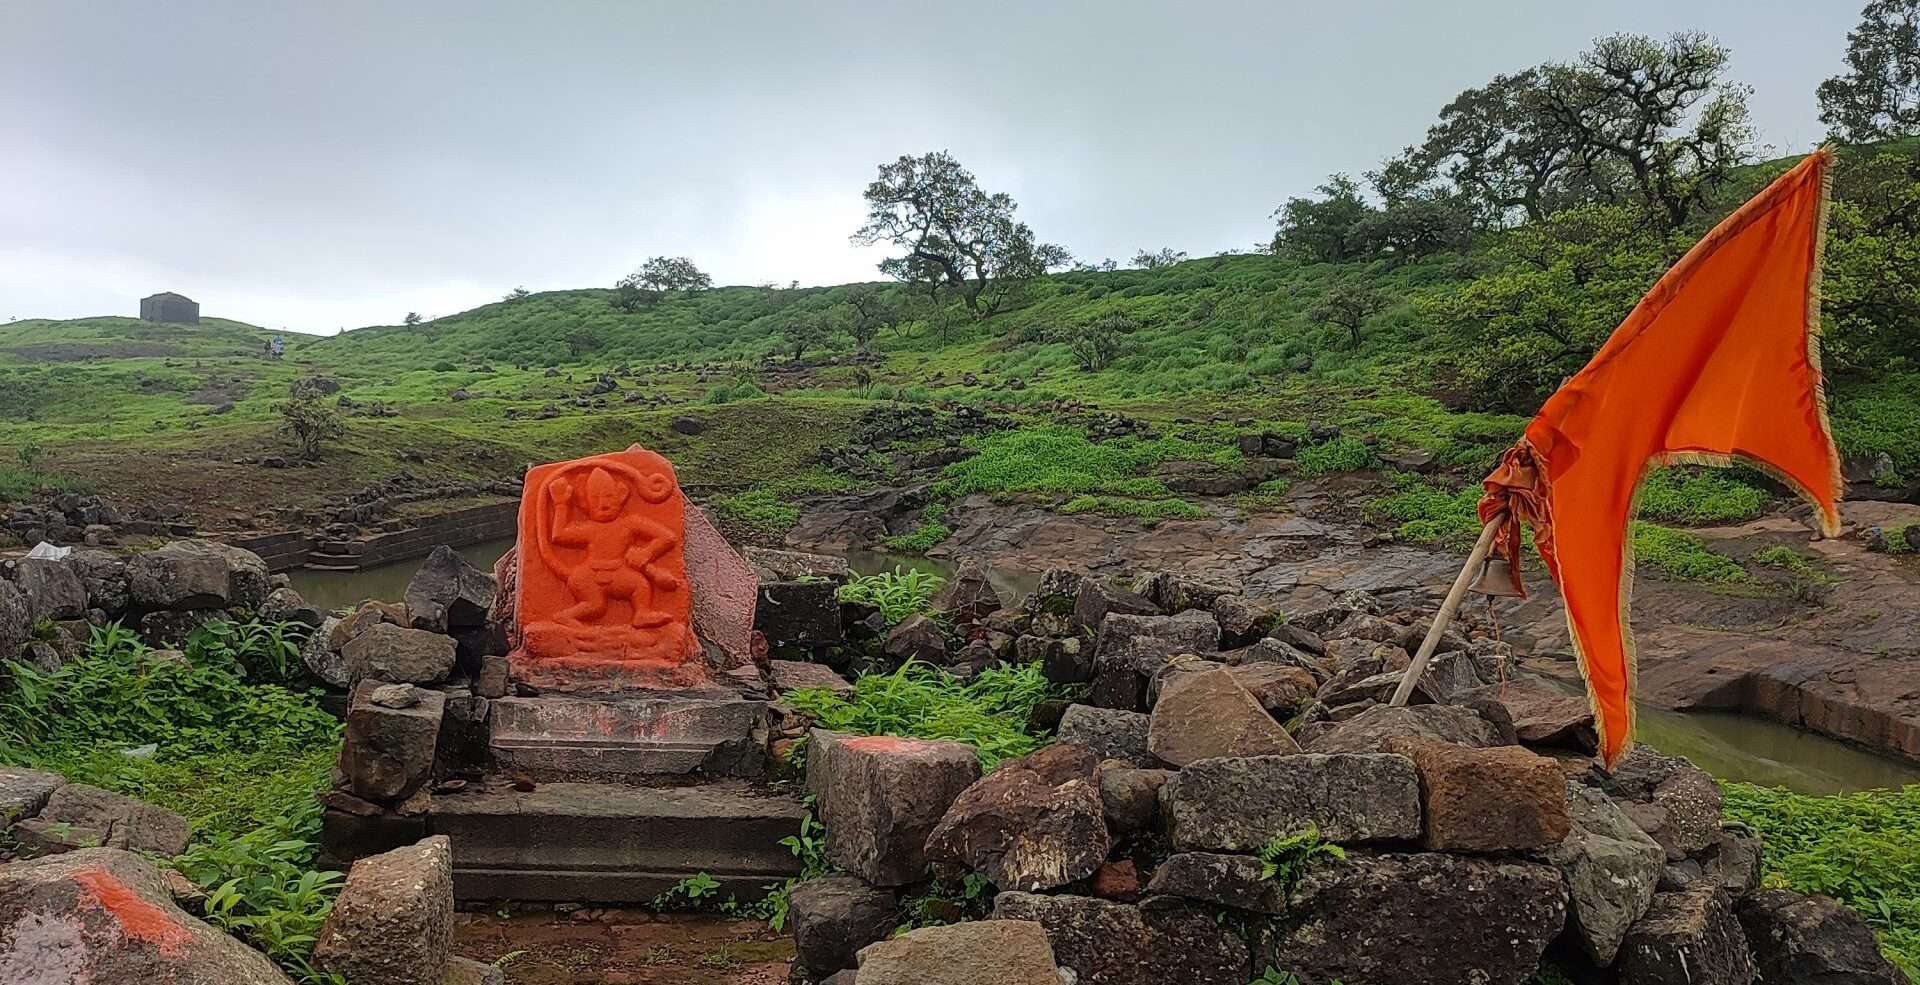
[1447, 611]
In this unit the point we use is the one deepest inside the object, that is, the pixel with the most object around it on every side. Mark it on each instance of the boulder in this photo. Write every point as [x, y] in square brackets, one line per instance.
[321, 659]
[1561, 721]
[1191, 631]
[1237, 805]
[23, 792]
[388, 753]
[393, 920]
[794, 675]
[103, 915]
[883, 797]
[1800, 938]
[1611, 868]
[1298, 637]
[1123, 672]
[1158, 942]
[1503, 799]
[1237, 881]
[448, 595]
[286, 605]
[1130, 797]
[1423, 917]
[1172, 592]
[833, 917]
[1054, 594]
[805, 613]
[1034, 823]
[197, 574]
[1208, 715]
[1242, 622]
[112, 820]
[53, 588]
[1282, 689]
[1374, 728]
[105, 577]
[1110, 732]
[968, 596]
[369, 614]
[16, 620]
[980, 952]
[1094, 599]
[1273, 651]
[917, 638]
[1669, 798]
[1690, 937]
[398, 655]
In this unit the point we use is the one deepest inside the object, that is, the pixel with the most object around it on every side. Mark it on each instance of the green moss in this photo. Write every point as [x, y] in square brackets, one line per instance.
[1682, 556]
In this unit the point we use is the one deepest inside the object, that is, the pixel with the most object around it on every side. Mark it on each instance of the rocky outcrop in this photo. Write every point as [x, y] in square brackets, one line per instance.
[1034, 823]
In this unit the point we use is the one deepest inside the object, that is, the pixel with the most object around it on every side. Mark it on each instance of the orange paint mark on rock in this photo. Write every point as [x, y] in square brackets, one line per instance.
[137, 918]
[602, 588]
[887, 744]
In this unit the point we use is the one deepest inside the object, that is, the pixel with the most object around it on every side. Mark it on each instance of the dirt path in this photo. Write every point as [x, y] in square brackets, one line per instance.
[625, 947]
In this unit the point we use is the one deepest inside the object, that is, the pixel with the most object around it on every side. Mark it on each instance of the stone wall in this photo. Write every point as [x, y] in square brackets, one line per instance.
[474, 525]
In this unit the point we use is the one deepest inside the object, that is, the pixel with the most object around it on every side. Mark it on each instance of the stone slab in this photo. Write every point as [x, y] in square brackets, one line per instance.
[567, 738]
[606, 843]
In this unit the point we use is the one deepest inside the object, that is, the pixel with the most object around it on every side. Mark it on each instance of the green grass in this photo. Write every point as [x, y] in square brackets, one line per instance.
[932, 530]
[898, 594]
[1342, 454]
[1428, 514]
[1682, 556]
[1698, 497]
[1063, 461]
[1862, 849]
[1164, 508]
[988, 712]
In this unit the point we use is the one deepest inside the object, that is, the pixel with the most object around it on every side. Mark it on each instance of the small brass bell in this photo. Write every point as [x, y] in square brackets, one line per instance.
[1496, 579]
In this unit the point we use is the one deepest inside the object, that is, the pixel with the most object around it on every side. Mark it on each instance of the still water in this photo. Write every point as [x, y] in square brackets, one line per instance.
[1732, 747]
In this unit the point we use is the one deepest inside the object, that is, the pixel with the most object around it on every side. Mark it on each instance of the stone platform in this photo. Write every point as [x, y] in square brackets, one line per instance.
[610, 843]
[623, 738]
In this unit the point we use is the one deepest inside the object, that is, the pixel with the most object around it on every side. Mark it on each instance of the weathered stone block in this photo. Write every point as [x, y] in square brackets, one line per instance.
[23, 792]
[53, 588]
[122, 822]
[981, 952]
[884, 796]
[917, 638]
[834, 917]
[1689, 937]
[448, 595]
[556, 737]
[398, 655]
[1504, 799]
[1801, 938]
[393, 920]
[1094, 598]
[197, 574]
[806, 613]
[1111, 733]
[1131, 797]
[1158, 942]
[1237, 881]
[388, 753]
[1034, 823]
[1207, 715]
[1374, 728]
[1237, 805]
[1611, 868]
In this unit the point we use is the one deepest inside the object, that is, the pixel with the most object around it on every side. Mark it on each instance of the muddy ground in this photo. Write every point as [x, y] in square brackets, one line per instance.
[617, 946]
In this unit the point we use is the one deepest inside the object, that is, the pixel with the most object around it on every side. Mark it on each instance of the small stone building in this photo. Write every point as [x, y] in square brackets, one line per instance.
[170, 308]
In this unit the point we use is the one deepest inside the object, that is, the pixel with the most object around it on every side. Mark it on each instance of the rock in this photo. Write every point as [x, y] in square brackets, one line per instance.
[1738, 859]
[1800, 938]
[53, 588]
[1298, 637]
[1122, 673]
[1034, 823]
[395, 696]
[806, 613]
[1273, 651]
[1611, 868]
[1689, 937]
[1283, 690]
[197, 574]
[16, 621]
[1055, 593]
[1159, 942]
[1171, 592]
[1556, 720]
[794, 675]
[104, 576]
[388, 753]
[23, 792]
[286, 605]
[1670, 799]
[883, 797]
[1131, 797]
[1237, 805]
[1424, 917]
[1241, 622]
[968, 596]
[122, 822]
[448, 595]
[1365, 626]
[394, 654]
[772, 564]
[1372, 729]
[393, 920]
[1237, 881]
[1503, 799]
[1209, 715]
[371, 613]
[492, 679]
[1094, 599]
[321, 659]
[981, 952]
[467, 971]
[834, 917]
[1191, 631]
[1117, 881]
[917, 638]
[1110, 732]
[104, 916]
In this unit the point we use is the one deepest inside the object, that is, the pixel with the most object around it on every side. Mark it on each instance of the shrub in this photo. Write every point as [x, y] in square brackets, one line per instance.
[1342, 454]
[1060, 460]
[758, 512]
[988, 712]
[898, 594]
[1682, 556]
[1699, 497]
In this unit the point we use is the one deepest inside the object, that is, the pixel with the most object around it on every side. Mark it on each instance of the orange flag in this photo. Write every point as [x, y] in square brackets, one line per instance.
[1718, 364]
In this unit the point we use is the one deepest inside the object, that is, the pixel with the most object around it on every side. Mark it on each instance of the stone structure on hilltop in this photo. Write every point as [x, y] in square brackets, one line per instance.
[169, 308]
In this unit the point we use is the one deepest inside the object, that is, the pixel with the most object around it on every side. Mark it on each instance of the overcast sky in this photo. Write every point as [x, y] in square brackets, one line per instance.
[315, 166]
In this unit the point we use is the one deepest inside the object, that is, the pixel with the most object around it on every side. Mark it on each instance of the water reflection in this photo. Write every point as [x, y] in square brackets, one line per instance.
[388, 582]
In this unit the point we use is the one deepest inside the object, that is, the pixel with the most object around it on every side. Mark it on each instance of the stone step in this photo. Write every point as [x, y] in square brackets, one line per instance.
[555, 737]
[611, 843]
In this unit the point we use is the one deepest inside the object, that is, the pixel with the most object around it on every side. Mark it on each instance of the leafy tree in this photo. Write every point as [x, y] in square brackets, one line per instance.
[1096, 342]
[1154, 260]
[311, 424]
[657, 278]
[1326, 230]
[1498, 144]
[1349, 306]
[517, 294]
[1878, 97]
[581, 341]
[958, 238]
[413, 318]
[869, 312]
[1107, 266]
[805, 330]
[1871, 293]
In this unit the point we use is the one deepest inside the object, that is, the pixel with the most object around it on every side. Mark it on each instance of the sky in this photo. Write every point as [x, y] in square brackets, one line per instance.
[319, 166]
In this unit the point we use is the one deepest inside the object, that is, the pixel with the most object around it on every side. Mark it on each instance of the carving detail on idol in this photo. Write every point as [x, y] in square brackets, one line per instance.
[623, 550]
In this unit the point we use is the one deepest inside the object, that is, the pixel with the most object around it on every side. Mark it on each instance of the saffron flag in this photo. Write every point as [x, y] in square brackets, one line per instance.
[1718, 364]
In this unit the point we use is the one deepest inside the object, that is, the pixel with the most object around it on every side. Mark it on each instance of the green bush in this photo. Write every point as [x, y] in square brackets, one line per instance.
[1699, 497]
[988, 712]
[898, 594]
[1682, 556]
[1342, 454]
[1862, 849]
[1062, 461]
[759, 512]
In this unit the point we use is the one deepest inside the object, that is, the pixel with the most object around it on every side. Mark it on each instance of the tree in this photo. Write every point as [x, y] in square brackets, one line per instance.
[1626, 106]
[1878, 97]
[869, 312]
[1870, 296]
[1165, 257]
[1498, 145]
[413, 318]
[517, 294]
[311, 424]
[657, 278]
[1349, 306]
[804, 331]
[1324, 230]
[958, 238]
[1096, 342]
[581, 341]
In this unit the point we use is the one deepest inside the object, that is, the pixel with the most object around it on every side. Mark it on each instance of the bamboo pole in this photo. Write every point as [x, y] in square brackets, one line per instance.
[1448, 609]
